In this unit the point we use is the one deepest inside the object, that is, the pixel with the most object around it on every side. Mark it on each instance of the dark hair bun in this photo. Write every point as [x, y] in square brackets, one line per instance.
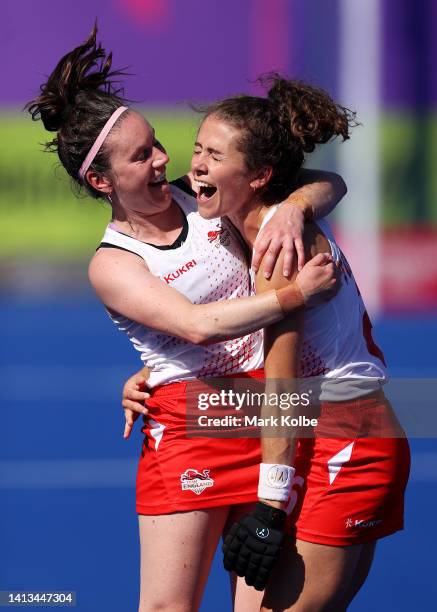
[76, 101]
[310, 113]
[73, 74]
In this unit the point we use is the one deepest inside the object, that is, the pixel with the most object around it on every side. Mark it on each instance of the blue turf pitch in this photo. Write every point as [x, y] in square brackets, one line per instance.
[63, 526]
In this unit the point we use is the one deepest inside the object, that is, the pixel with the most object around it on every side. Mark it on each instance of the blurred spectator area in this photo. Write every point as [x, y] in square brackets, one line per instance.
[174, 60]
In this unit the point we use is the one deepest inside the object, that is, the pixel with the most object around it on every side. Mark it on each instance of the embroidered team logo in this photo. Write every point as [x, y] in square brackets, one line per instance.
[192, 480]
[220, 237]
[213, 235]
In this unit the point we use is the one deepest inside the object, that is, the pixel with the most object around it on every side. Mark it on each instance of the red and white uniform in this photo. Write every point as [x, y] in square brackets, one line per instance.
[176, 473]
[337, 344]
[348, 488]
[345, 490]
[210, 266]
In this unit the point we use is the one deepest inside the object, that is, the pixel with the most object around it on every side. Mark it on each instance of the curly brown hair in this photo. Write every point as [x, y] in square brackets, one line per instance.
[278, 130]
[76, 101]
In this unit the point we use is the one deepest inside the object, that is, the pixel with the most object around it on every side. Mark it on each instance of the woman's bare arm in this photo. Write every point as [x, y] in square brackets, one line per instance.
[317, 194]
[124, 284]
[282, 344]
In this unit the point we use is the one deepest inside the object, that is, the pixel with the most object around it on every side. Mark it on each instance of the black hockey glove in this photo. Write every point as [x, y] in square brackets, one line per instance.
[253, 544]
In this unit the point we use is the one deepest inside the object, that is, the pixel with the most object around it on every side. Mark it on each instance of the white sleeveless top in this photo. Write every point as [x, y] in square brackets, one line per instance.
[209, 266]
[337, 343]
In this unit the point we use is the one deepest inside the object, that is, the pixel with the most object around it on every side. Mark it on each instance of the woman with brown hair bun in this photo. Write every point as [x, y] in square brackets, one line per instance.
[342, 491]
[158, 271]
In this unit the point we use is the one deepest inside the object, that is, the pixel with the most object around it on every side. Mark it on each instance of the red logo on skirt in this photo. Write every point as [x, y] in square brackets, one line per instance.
[192, 480]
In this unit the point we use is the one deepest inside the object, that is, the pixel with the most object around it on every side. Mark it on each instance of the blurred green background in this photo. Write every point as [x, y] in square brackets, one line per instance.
[41, 213]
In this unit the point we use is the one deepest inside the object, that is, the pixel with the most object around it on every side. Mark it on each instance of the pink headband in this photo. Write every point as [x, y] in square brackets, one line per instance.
[100, 140]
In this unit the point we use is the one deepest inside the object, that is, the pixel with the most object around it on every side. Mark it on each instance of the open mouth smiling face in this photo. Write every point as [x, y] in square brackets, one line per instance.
[219, 169]
[206, 191]
[159, 180]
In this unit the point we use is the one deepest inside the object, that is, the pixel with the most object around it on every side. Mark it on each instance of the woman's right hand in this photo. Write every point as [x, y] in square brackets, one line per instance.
[318, 280]
[133, 398]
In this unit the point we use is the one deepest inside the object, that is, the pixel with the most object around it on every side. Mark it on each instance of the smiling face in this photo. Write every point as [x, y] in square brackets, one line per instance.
[138, 163]
[225, 184]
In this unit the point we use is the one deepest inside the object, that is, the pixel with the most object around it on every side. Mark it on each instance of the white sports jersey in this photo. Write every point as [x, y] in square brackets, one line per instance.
[338, 344]
[209, 266]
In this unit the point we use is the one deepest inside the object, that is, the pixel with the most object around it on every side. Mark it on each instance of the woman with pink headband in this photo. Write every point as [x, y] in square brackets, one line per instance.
[178, 285]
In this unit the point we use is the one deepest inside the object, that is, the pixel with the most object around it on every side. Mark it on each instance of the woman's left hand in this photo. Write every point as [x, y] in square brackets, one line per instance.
[133, 398]
[283, 232]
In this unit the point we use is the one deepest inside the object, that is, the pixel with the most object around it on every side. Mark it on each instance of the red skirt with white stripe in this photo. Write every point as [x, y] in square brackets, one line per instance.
[178, 473]
[350, 489]
[347, 490]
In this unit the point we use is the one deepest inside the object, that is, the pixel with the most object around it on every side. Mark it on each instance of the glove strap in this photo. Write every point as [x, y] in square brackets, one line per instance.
[274, 517]
[275, 481]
